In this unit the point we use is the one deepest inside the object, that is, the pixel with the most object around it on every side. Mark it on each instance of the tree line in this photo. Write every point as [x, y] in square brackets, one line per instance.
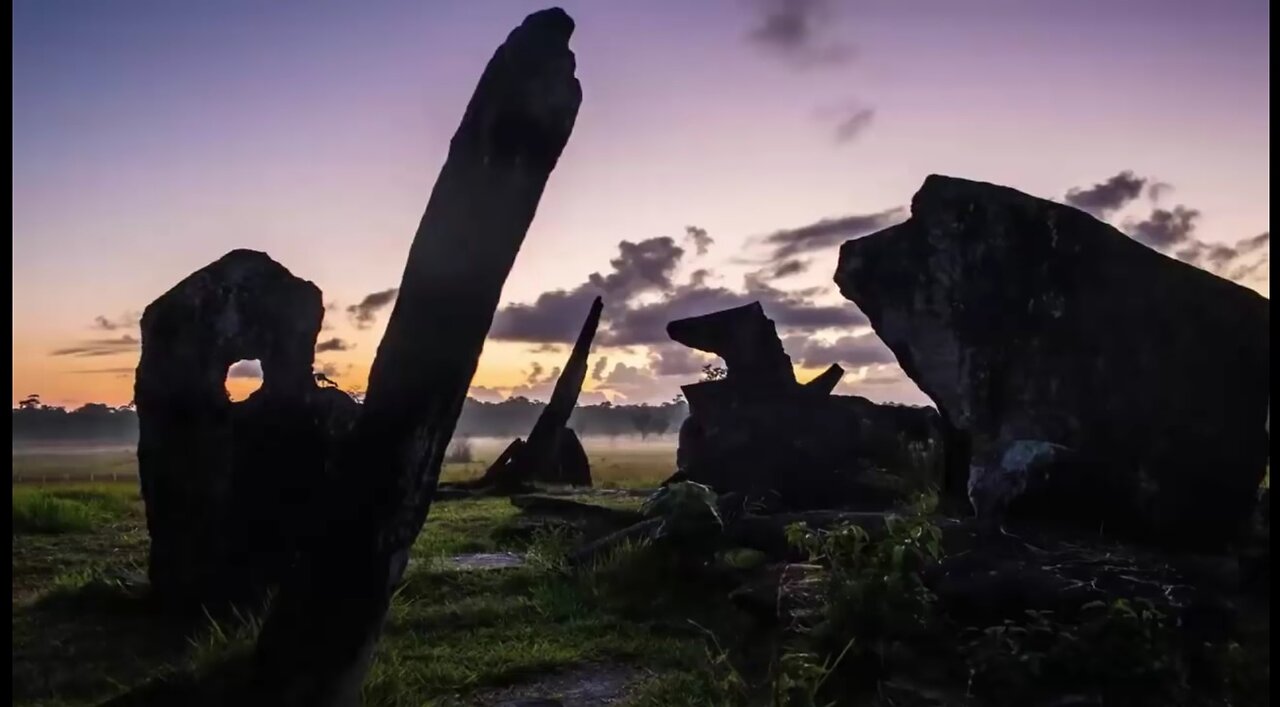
[514, 417]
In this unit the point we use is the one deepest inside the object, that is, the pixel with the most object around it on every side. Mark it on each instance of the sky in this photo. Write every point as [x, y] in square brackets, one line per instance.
[724, 149]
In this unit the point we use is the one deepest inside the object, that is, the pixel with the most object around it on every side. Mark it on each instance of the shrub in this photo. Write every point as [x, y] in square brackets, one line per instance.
[876, 602]
[1123, 649]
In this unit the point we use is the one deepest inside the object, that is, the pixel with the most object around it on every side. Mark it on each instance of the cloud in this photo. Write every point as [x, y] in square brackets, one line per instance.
[245, 369]
[535, 373]
[597, 370]
[674, 359]
[364, 314]
[698, 236]
[1256, 243]
[1107, 197]
[797, 32]
[829, 232]
[793, 266]
[1157, 190]
[334, 344]
[100, 347]
[633, 319]
[1241, 262]
[848, 351]
[854, 124]
[554, 317]
[329, 308]
[700, 276]
[631, 382]
[128, 320]
[486, 394]
[647, 265]
[1165, 228]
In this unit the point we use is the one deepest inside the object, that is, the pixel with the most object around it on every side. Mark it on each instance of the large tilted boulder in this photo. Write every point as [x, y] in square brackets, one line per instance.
[228, 486]
[760, 432]
[1084, 376]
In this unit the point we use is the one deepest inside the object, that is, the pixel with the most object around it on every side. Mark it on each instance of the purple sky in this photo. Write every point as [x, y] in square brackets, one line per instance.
[152, 137]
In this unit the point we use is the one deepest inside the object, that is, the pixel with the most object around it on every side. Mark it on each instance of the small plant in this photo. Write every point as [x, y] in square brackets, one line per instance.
[876, 602]
[714, 373]
[801, 675]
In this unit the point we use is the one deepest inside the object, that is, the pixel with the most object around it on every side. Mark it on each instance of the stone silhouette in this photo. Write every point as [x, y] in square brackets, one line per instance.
[318, 639]
[230, 487]
[745, 338]
[759, 432]
[553, 453]
[1032, 323]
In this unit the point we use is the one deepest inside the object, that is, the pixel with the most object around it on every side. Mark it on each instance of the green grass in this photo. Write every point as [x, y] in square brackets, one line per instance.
[72, 509]
[84, 631]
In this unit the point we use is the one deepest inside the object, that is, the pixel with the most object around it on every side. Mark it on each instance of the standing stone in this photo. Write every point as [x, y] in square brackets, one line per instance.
[547, 455]
[1029, 322]
[575, 468]
[229, 486]
[318, 640]
[761, 433]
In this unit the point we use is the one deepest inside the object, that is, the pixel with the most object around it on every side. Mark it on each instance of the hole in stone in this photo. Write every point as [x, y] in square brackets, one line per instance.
[243, 377]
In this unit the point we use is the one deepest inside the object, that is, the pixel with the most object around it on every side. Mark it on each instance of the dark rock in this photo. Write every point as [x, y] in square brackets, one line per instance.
[1029, 322]
[745, 338]
[230, 487]
[575, 468]
[316, 644]
[789, 445]
[826, 381]
[553, 453]
[984, 583]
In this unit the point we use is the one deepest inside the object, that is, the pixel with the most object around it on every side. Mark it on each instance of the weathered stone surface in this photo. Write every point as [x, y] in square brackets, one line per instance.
[788, 445]
[744, 337]
[1031, 322]
[229, 487]
[553, 452]
[317, 642]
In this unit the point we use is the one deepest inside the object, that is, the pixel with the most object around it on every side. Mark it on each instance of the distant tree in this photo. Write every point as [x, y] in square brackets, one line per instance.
[713, 373]
[459, 452]
[646, 421]
[31, 402]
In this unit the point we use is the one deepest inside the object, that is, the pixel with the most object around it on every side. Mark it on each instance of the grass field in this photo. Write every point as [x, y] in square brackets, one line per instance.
[614, 463]
[636, 629]
[82, 630]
